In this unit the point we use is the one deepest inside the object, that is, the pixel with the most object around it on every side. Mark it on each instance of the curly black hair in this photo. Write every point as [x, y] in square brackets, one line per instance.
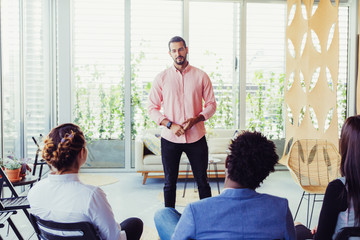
[252, 159]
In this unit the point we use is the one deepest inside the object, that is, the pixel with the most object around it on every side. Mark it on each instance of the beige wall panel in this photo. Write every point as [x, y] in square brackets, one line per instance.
[313, 61]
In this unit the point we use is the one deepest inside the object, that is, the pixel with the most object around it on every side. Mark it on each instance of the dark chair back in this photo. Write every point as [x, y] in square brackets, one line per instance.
[49, 230]
[348, 232]
[38, 162]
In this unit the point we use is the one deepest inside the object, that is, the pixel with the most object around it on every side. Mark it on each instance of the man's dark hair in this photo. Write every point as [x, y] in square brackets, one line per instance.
[252, 159]
[176, 39]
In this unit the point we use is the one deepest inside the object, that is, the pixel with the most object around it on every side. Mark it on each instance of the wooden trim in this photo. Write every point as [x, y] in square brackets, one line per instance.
[146, 174]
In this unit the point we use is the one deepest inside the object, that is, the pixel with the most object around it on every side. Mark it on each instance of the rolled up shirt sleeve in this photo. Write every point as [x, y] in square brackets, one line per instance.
[209, 98]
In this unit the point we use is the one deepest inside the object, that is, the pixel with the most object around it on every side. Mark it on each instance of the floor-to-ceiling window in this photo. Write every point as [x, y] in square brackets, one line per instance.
[98, 78]
[25, 74]
[11, 87]
[265, 67]
[150, 33]
[214, 48]
[239, 43]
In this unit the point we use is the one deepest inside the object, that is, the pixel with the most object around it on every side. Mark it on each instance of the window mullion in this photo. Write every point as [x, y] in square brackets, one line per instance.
[64, 33]
[127, 86]
[22, 82]
[242, 66]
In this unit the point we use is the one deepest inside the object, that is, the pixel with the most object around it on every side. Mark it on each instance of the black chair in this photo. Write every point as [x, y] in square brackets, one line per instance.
[347, 232]
[13, 203]
[37, 161]
[49, 230]
[5, 217]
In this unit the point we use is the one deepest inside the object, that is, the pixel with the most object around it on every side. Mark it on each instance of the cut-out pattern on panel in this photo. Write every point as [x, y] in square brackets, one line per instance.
[329, 79]
[303, 42]
[302, 82]
[313, 118]
[316, 41]
[314, 79]
[312, 31]
[331, 36]
[290, 115]
[291, 80]
[291, 48]
[302, 115]
[291, 14]
[304, 12]
[313, 10]
[328, 119]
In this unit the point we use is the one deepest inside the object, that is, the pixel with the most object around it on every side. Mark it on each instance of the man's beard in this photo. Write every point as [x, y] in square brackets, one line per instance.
[178, 62]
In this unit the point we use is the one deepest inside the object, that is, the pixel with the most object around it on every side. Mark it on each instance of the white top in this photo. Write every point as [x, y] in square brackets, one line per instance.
[63, 198]
[345, 218]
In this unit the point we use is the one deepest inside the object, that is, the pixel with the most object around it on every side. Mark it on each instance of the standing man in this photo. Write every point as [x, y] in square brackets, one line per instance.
[181, 90]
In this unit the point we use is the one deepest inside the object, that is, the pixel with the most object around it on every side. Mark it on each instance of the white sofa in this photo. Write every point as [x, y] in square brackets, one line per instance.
[150, 165]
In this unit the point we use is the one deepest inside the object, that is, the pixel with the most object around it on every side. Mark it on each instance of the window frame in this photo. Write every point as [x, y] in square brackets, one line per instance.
[62, 99]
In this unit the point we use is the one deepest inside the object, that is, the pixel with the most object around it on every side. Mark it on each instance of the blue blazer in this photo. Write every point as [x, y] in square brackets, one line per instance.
[236, 214]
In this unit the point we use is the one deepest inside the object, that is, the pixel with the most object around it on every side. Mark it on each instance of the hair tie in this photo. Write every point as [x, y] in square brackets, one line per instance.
[63, 139]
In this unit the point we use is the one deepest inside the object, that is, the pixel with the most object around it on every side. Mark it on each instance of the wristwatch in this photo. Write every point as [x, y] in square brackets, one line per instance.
[168, 125]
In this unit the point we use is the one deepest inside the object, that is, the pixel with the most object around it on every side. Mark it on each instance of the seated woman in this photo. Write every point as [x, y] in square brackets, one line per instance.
[61, 197]
[239, 212]
[341, 205]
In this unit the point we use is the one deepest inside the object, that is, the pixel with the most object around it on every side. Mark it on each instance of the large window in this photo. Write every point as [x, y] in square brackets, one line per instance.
[214, 45]
[240, 44]
[98, 78]
[11, 101]
[265, 68]
[25, 74]
[150, 33]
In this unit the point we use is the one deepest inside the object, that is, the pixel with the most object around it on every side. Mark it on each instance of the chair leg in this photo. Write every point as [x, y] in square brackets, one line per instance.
[308, 209]
[186, 177]
[312, 209]
[299, 205]
[40, 174]
[217, 177]
[16, 231]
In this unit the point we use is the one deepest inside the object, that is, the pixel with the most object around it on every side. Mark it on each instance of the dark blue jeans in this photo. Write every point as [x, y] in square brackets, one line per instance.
[197, 154]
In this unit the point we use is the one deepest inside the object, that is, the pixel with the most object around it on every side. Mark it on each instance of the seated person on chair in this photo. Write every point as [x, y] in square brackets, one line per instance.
[239, 211]
[61, 197]
[341, 205]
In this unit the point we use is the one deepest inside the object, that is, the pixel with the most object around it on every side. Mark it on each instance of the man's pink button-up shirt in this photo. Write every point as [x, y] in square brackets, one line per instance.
[182, 95]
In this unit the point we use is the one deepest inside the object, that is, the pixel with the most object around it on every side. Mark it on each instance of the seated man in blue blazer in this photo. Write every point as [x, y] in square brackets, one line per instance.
[239, 212]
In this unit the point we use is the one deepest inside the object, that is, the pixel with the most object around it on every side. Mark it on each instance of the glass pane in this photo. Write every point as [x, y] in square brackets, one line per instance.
[343, 64]
[10, 35]
[150, 33]
[213, 47]
[265, 68]
[98, 77]
[36, 72]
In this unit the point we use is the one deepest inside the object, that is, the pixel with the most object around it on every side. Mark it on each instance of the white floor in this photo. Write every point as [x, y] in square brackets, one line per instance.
[129, 197]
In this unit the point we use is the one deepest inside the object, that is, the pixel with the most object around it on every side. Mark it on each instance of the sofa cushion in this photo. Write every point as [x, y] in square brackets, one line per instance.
[152, 160]
[153, 143]
[218, 145]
